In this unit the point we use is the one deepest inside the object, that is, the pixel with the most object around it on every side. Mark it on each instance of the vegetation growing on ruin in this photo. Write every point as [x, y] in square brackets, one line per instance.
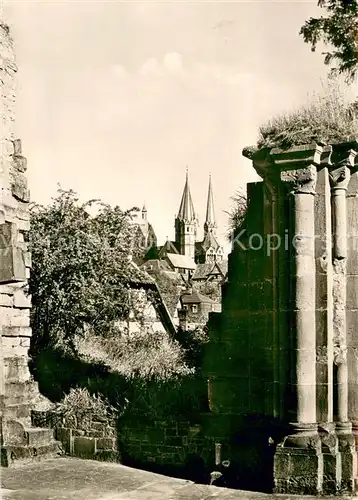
[328, 117]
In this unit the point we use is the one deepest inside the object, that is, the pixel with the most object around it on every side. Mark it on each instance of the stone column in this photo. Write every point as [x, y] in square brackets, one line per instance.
[298, 459]
[343, 161]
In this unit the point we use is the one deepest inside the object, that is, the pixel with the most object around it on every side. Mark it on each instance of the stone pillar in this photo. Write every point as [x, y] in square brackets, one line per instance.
[352, 299]
[340, 172]
[298, 460]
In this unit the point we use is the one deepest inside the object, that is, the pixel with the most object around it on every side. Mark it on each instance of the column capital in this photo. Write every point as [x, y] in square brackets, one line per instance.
[302, 181]
[342, 162]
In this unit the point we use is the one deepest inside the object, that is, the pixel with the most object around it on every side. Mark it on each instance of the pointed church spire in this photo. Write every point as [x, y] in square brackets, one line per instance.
[186, 209]
[210, 222]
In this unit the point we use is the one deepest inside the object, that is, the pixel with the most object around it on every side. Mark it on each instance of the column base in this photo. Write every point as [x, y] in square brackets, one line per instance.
[347, 449]
[298, 462]
[332, 463]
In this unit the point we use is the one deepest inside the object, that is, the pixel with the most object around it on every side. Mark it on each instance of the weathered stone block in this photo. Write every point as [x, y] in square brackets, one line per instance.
[17, 331]
[84, 447]
[5, 300]
[22, 300]
[64, 435]
[352, 292]
[105, 444]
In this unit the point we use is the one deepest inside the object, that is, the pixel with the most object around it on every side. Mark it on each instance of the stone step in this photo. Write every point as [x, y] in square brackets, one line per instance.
[12, 456]
[39, 436]
[16, 411]
[20, 392]
[16, 369]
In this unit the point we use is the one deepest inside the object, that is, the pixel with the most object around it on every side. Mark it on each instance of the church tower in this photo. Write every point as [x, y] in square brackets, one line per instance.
[210, 222]
[186, 224]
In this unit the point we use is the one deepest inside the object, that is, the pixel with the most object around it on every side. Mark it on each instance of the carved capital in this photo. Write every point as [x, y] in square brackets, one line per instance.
[339, 177]
[339, 355]
[300, 181]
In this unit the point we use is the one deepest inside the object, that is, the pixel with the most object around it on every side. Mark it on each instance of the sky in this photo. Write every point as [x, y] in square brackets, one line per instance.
[116, 99]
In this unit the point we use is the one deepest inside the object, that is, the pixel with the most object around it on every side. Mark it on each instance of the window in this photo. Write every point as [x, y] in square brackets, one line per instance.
[194, 308]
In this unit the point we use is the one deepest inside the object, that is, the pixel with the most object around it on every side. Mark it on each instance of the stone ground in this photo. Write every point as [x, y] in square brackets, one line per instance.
[71, 478]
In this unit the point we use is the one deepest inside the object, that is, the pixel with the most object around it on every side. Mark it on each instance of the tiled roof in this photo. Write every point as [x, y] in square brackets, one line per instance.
[139, 276]
[181, 261]
[155, 265]
[223, 266]
[168, 247]
[195, 297]
[202, 271]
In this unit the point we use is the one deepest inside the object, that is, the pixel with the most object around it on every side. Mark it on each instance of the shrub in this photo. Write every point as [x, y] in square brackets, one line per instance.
[143, 355]
[78, 405]
[328, 117]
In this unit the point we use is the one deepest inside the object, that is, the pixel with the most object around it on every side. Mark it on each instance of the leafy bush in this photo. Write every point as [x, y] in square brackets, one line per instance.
[79, 405]
[328, 117]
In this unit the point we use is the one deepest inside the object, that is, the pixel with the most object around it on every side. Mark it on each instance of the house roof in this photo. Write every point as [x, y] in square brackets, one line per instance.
[223, 266]
[181, 261]
[202, 271]
[168, 247]
[139, 276]
[195, 297]
[155, 265]
[141, 279]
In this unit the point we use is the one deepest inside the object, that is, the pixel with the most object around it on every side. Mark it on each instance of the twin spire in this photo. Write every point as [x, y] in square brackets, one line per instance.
[187, 211]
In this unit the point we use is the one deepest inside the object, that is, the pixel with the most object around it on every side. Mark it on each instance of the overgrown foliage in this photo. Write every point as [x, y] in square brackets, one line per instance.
[328, 117]
[141, 355]
[237, 213]
[211, 289]
[78, 404]
[339, 30]
[80, 268]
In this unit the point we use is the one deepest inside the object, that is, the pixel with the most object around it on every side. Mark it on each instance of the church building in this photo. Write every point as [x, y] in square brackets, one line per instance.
[186, 232]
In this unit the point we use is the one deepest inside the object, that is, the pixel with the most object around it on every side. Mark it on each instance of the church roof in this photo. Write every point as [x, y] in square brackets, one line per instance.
[210, 213]
[181, 261]
[209, 241]
[186, 209]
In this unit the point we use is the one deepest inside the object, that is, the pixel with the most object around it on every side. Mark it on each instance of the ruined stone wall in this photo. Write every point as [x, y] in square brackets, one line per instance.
[283, 352]
[19, 393]
[14, 225]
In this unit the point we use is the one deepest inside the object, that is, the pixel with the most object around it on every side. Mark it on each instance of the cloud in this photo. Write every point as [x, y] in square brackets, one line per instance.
[150, 67]
[173, 62]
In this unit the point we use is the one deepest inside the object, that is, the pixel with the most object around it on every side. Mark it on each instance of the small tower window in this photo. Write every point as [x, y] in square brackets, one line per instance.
[194, 308]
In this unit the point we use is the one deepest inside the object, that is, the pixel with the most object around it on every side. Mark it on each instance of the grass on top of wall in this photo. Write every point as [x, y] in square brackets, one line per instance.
[327, 117]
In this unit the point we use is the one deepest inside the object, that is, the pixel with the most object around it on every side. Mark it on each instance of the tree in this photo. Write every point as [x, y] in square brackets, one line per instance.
[338, 29]
[80, 267]
[237, 213]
